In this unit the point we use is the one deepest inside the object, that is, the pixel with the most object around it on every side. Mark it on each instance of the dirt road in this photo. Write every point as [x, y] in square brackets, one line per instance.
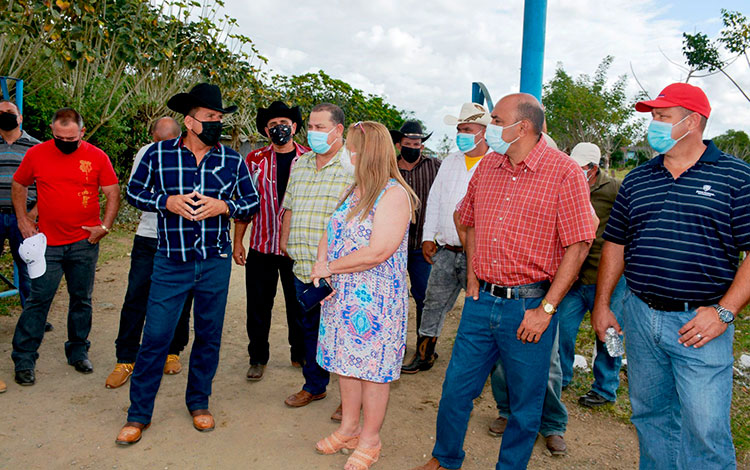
[69, 421]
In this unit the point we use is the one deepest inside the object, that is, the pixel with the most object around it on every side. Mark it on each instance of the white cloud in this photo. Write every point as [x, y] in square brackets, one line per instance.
[423, 56]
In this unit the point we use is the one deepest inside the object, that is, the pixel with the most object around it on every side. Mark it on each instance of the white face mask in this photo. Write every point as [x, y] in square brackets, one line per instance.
[346, 161]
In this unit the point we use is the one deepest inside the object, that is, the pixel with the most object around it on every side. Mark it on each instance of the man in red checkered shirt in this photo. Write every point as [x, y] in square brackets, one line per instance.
[264, 261]
[529, 226]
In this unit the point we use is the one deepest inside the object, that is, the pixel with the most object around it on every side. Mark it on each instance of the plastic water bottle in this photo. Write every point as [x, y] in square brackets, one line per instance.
[613, 341]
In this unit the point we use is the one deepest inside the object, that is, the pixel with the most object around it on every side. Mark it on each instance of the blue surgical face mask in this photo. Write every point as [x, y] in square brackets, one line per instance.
[494, 137]
[660, 135]
[466, 142]
[318, 141]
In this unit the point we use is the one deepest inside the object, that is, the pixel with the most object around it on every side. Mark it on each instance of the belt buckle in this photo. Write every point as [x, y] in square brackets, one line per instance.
[509, 292]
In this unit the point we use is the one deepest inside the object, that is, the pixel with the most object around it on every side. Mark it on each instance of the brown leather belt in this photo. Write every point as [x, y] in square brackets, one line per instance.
[453, 248]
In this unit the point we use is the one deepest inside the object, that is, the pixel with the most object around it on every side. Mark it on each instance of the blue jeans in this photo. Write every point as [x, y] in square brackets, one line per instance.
[554, 413]
[171, 282]
[681, 396]
[578, 301]
[9, 230]
[487, 331]
[77, 261]
[419, 273]
[316, 378]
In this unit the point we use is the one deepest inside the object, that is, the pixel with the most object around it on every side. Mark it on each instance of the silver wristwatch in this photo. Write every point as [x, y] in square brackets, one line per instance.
[725, 314]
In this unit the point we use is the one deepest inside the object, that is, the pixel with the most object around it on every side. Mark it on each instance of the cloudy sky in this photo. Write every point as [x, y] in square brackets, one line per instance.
[422, 56]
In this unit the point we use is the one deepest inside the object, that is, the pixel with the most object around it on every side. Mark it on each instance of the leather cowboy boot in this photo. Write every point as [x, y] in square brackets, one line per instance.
[424, 358]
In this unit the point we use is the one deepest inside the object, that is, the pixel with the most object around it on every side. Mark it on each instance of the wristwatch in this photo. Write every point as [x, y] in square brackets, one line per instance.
[104, 227]
[725, 314]
[548, 308]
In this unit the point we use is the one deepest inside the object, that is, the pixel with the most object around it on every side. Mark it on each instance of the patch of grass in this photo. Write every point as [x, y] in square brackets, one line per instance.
[581, 383]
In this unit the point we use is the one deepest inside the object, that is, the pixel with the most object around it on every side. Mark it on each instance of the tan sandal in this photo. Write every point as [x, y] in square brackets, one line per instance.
[337, 442]
[364, 457]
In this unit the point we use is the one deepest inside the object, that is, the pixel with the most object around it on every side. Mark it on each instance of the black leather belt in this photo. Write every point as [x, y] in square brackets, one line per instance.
[672, 305]
[7, 210]
[538, 289]
[454, 248]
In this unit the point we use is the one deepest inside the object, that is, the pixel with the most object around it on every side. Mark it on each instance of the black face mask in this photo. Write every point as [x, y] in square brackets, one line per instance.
[280, 134]
[410, 155]
[65, 146]
[211, 133]
[8, 121]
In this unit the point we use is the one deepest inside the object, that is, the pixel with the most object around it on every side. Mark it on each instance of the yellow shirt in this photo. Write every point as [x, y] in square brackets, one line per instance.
[471, 161]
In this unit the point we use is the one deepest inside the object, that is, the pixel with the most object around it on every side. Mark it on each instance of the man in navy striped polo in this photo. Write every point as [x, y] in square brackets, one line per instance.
[677, 229]
[14, 143]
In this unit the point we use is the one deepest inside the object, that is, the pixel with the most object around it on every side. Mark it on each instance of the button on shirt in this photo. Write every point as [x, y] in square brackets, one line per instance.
[11, 156]
[169, 168]
[683, 236]
[420, 179]
[524, 217]
[447, 191]
[266, 173]
[312, 195]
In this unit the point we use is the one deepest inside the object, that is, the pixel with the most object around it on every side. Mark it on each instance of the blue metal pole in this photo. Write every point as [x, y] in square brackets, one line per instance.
[532, 55]
[19, 95]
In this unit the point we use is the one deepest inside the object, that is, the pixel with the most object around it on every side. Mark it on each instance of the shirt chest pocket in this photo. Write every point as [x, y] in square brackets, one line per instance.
[219, 181]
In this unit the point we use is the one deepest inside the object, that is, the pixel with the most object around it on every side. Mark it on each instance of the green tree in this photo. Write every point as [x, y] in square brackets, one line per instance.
[313, 88]
[588, 109]
[118, 62]
[734, 142]
[703, 54]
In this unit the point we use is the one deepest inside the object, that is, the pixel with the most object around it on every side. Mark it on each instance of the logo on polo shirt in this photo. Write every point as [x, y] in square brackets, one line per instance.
[706, 191]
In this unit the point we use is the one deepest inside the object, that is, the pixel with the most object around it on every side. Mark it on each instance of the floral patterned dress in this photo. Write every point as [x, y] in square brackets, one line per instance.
[363, 327]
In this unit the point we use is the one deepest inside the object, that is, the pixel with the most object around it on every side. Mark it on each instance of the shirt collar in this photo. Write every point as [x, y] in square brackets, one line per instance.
[309, 159]
[181, 144]
[710, 155]
[601, 179]
[532, 159]
[24, 138]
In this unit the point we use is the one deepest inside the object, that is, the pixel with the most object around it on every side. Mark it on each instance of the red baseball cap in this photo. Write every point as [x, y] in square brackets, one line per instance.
[678, 94]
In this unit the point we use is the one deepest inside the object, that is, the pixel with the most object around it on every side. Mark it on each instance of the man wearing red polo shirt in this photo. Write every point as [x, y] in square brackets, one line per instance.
[68, 173]
[529, 226]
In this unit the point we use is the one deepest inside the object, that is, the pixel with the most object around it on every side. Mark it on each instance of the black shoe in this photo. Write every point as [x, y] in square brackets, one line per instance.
[424, 358]
[84, 366]
[48, 327]
[255, 372]
[592, 399]
[25, 377]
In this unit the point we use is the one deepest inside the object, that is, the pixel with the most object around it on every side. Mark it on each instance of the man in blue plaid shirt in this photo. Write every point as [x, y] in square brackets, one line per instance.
[195, 185]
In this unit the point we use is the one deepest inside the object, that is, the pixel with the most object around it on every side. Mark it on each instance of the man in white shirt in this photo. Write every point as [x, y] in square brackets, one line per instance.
[441, 244]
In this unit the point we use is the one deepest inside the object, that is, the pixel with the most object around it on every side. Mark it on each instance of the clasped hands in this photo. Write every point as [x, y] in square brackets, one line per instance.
[196, 206]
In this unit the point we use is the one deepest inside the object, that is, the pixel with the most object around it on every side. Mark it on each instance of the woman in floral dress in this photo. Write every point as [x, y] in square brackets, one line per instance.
[362, 335]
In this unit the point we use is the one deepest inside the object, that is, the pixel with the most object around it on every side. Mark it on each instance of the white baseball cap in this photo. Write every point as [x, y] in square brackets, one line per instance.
[32, 252]
[585, 153]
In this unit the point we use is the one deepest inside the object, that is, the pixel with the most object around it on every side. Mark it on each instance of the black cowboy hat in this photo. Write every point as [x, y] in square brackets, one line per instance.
[410, 130]
[202, 95]
[276, 110]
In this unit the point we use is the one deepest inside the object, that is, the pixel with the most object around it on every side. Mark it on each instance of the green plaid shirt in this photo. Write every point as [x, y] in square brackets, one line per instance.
[312, 195]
